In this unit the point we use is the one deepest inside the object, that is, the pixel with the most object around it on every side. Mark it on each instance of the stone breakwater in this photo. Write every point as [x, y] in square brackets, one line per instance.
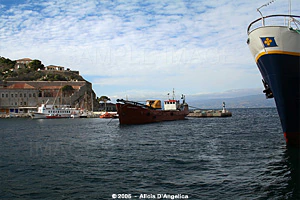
[23, 115]
[27, 115]
[210, 113]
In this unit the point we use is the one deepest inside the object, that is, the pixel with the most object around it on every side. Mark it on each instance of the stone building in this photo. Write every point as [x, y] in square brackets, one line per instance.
[109, 107]
[54, 68]
[23, 96]
[24, 61]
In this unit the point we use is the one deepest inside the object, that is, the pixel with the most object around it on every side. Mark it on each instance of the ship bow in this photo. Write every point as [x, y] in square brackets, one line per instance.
[276, 50]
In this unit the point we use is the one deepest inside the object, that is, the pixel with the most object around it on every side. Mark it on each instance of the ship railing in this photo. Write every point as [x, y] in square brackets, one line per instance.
[135, 103]
[289, 21]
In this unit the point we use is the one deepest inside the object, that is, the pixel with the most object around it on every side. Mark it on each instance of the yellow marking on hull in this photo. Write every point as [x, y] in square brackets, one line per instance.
[277, 52]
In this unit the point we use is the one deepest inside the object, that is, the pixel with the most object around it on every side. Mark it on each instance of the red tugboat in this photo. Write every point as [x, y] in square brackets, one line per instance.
[131, 112]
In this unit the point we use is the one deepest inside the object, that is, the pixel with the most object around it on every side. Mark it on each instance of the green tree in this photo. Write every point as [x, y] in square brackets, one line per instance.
[67, 90]
[6, 62]
[103, 99]
[49, 77]
[36, 64]
[36, 76]
[5, 65]
[58, 77]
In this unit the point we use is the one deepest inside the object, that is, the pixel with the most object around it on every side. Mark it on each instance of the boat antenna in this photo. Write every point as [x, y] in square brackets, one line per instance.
[290, 7]
[258, 10]
[290, 11]
[183, 98]
[173, 94]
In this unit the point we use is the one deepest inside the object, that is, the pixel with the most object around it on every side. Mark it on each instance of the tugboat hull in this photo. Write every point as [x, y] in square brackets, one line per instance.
[136, 114]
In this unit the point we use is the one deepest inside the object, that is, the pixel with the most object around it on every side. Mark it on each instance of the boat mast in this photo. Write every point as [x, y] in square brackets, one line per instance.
[290, 7]
[173, 94]
[290, 11]
[92, 101]
[56, 97]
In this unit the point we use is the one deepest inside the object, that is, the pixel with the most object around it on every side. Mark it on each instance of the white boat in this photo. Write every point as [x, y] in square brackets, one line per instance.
[274, 42]
[51, 112]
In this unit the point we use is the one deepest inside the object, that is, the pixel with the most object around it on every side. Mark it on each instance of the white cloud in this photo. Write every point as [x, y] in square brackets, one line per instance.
[199, 46]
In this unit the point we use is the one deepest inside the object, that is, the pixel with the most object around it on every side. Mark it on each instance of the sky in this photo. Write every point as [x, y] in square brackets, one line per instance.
[141, 49]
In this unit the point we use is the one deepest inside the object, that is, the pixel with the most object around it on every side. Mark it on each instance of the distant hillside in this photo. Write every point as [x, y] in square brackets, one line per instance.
[43, 75]
[33, 71]
[251, 101]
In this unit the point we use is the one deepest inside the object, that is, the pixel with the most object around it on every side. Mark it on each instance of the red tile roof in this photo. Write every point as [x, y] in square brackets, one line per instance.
[20, 86]
[50, 87]
[25, 59]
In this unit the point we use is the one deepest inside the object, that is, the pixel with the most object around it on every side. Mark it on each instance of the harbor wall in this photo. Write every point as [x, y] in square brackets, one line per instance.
[22, 96]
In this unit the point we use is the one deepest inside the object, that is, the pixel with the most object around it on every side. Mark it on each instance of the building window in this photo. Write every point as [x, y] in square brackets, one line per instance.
[24, 94]
[21, 103]
[25, 103]
[16, 103]
[16, 95]
[2, 95]
[12, 95]
[20, 94]
[29, 95]
[33, 94]
[6, 95]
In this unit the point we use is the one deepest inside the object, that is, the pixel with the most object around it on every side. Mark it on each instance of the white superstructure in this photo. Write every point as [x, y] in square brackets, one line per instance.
[50, 111]
[171, 105]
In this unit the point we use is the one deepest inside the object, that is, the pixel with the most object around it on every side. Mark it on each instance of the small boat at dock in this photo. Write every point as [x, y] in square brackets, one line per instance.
[108, 115]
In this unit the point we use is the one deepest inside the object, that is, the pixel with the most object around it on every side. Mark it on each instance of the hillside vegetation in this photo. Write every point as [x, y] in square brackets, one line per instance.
[33, 71]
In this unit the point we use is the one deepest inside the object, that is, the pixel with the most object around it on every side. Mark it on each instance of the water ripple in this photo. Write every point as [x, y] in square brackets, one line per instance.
[243, 157]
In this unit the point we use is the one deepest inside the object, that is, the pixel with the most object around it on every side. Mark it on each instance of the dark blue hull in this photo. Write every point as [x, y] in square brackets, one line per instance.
[282, 73]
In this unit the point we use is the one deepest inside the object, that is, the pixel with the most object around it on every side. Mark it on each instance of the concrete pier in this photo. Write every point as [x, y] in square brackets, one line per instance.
[210, 113]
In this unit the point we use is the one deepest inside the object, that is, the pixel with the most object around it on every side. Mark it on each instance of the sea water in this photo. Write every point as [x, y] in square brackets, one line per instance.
[241, 157]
